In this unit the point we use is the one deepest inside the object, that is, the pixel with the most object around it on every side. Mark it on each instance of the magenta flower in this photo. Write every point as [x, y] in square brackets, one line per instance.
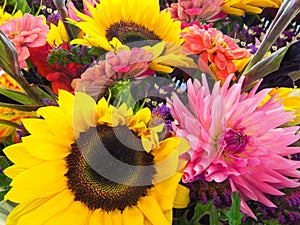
[25, 32]
[233, 136]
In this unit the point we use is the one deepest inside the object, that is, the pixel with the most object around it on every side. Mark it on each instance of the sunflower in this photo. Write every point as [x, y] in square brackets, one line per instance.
[128, 21]
[87, 163]
[57, 34]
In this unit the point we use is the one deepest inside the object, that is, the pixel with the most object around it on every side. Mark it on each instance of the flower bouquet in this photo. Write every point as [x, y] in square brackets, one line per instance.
[149, 112]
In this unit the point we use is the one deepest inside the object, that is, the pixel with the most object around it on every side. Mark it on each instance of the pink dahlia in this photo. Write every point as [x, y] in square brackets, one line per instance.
[234, 137]
[25, 32]
[122, 65]
[194, 10]
[214, 49]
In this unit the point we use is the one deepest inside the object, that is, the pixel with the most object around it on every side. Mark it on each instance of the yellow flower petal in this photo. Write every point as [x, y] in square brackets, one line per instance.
[53, 206]
[18, 154]
[182, 198]
[71, 215]
[149, 212]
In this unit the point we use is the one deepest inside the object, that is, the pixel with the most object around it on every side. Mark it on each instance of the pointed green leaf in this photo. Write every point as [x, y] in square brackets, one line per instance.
[201, 210]
[213, 216]
[265, 66]
[5, 208]
[22, 5]
[8, 56]
[26, 108]
[234, 215]
[286, 13]
[16, 95]
[9, 123]
[3, 162]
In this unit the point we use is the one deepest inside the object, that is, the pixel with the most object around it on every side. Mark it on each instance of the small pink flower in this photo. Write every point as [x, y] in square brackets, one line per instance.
[194, 10]
[215, 49]
[25, 32]
[234, 137]
[124, 64]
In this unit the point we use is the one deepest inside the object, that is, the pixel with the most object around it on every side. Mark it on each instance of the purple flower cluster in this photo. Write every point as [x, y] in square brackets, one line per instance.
[202, 191]
[251, 37]
[162, 114]
[288, 211]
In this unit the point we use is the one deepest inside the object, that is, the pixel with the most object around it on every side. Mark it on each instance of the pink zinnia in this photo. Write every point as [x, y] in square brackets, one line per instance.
[122, 65]
[194, 10]
[233, 137]
[214, 49]
[25, 32]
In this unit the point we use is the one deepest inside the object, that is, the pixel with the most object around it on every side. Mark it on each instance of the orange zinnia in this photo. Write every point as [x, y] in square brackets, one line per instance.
[215, 50]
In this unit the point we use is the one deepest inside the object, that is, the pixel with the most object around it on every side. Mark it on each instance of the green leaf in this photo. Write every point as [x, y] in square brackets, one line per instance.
[16, 95]
[23, 6]
[5, 208]
[286, 13]
[3, 163]
[213, 216]
[201, 210]
[9, 123]
[234, 215]
[26, 108]
[265, 67]
[8, 57]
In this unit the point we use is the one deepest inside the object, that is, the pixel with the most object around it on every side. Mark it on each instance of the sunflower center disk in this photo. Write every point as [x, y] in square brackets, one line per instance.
[109, 169]
[128, 32]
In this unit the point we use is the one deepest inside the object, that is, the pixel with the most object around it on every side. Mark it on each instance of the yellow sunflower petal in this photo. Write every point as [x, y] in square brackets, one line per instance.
[56, 120]
[23, 209]
[143, 18]
[76, 214]
[13, 171]
[35, 176]
[95, 217]
[53, 206]
[18, 154]
[37, 126]
[84, 115]
[132, 215]
[106, 218]
[182, 198]
[154, 213]
[47, 148]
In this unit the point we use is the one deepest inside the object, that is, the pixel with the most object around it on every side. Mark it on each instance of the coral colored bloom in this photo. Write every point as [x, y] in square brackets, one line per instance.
[233, 137]
[25, 32]
[194, 10]
[117, 66]
[240, 7]
[215, 48]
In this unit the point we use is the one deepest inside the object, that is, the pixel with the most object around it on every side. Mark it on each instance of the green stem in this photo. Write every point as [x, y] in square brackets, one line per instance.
[286, 13]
